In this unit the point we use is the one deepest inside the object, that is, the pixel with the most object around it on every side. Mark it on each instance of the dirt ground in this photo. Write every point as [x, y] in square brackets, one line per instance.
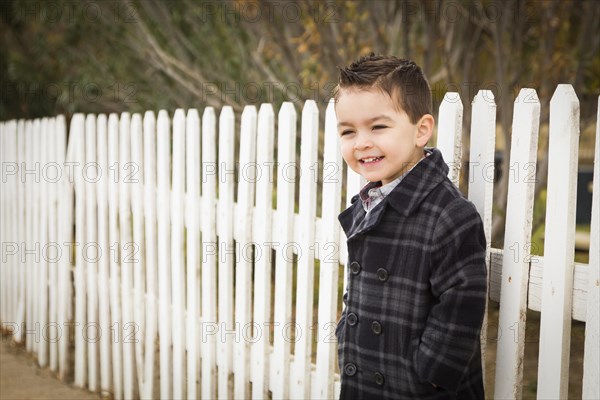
[21, 378]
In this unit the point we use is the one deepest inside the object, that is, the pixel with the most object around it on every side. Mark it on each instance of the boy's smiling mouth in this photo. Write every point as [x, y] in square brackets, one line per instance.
[370, 160]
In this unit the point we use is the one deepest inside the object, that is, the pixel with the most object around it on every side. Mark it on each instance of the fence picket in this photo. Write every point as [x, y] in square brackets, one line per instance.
[209, 258]
[192, 206]
[286, 185]
[115, 259]
[128, 254]
[591, 355]
[262, 275]
[78, 132]
[243, 277]
[515, 270]
[53, 256]
[328, 251]
[559, 247]
[22, 236]
[481, 176]
[149, 172]
[65, 227]
[91, 240]
[225, 250]
[42, 273]
[136, 183]
[177, 261]
[163, 193]
[103, 245]
[449, 137]
[301, 370]
[28, 226]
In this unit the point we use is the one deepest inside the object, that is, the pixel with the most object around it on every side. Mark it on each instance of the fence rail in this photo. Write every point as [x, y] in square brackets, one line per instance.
[154, 257]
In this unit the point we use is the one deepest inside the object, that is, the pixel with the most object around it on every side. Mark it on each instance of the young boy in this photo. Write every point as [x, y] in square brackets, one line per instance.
[416, 248]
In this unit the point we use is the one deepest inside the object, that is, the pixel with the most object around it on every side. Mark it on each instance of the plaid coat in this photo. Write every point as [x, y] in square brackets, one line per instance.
[416, 294]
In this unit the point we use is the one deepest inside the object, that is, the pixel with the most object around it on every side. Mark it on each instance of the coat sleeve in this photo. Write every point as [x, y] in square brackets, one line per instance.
[458, 282]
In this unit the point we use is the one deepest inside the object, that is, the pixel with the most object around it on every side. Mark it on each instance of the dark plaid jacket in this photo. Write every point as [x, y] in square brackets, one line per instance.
[416, 292]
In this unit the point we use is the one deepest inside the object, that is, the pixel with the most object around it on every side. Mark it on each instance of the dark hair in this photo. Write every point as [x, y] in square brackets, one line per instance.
[401, 79]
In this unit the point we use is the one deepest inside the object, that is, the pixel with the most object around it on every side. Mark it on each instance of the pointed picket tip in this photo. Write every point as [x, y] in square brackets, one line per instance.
[451, 99]
[179, 113]
[112, 118]
[484, 97]
[163, 114]
[76, 120]
[136, 119]
[287, 106]
[208, 112]
[527, 96]
[265, 108]
[193, 113]
[149, 115]
[330, 107]
[226, 112]
[564, 95]
[310, 106]
[248, 113]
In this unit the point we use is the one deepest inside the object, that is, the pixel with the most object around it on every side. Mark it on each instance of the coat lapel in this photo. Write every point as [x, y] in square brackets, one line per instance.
[405, 197]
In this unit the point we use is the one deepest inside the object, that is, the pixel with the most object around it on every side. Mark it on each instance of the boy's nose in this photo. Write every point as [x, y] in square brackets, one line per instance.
[362, 142]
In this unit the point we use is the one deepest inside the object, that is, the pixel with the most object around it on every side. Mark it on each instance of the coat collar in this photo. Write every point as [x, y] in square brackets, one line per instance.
[405, 197]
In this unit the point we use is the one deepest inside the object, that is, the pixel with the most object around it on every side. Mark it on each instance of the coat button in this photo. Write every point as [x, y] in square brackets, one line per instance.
[382, 274]
[379, 378]
[352, 319]
[376, 327]
[355, 267]
[350, 369]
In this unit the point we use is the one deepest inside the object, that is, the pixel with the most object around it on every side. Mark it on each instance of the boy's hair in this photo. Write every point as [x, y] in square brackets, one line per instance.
[401, 79]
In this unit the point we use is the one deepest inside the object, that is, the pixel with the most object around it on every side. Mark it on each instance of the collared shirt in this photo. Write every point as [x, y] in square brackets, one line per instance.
[373, 193]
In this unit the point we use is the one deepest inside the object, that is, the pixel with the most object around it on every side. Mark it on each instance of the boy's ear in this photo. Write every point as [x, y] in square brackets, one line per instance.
[425, 129]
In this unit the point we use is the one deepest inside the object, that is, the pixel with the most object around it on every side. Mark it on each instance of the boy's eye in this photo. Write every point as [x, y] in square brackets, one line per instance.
[379, 127]
[346, 132]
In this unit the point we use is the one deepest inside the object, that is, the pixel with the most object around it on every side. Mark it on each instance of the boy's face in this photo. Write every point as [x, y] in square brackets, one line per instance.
[377, 140]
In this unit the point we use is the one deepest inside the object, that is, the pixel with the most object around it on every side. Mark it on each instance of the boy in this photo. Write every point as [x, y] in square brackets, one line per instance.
[416, 248]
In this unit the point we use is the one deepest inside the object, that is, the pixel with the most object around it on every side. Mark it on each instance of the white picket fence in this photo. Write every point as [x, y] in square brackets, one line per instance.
[128, 265]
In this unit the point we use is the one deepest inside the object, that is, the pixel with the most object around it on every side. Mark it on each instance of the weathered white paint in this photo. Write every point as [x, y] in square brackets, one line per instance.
[177, 254]
[301, 378]
[226, 250]
[115, 258]
[149, 171]
[481, 174]
[192, 206]
[243, 234]
[449, 137]
[91, 251]
[517, 236]
[262, 271]
[135, 180]
[127, 257]
[103, 262]
[163, 194]
[555, 324]
[286, 185]
[328, 249]
[78, 130]
[209, 254]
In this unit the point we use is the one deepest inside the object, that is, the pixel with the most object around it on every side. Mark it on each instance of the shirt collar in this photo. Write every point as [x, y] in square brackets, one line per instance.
[375, 190]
